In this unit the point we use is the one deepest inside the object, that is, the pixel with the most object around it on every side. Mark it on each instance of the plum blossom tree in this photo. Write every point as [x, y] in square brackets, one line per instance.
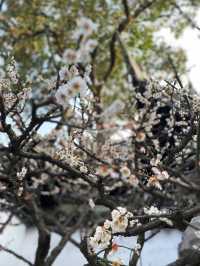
[123, 155]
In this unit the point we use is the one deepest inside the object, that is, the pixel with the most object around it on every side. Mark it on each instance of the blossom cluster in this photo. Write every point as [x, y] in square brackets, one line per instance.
[12, 72]
[154, 211]
[119, 223]
[76, 85]
[67, 154]
[158, 175]
[124, 173]
[121, 219]
[20, 179]
[85, 28]
[12, 95]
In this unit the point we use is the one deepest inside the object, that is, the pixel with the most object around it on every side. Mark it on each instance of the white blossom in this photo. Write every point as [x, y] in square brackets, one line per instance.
[119, 220]
[70, 56]
[140, 136]
[85, 27]
[137, 249]
[91, 204]
[125, 172]
[134, 222]
[77, 85]
[154, 182]
[166, 220]
[22, 173]
[71, 89]
[84, 55]
[83, 169]
[152, 211]
[64, 73]
[107, 224]
[161, 175]
[101, 238]
[73, 72]
[103, 170]
[61, 95]
[90, 45]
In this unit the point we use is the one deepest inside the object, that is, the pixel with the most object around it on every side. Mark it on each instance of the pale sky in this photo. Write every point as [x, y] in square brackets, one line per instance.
[190, 42]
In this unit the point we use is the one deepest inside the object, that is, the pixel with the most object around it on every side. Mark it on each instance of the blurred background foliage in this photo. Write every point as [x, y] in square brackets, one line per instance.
[37, 32]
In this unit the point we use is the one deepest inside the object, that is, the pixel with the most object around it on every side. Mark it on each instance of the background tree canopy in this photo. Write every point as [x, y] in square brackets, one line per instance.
[37, 33]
